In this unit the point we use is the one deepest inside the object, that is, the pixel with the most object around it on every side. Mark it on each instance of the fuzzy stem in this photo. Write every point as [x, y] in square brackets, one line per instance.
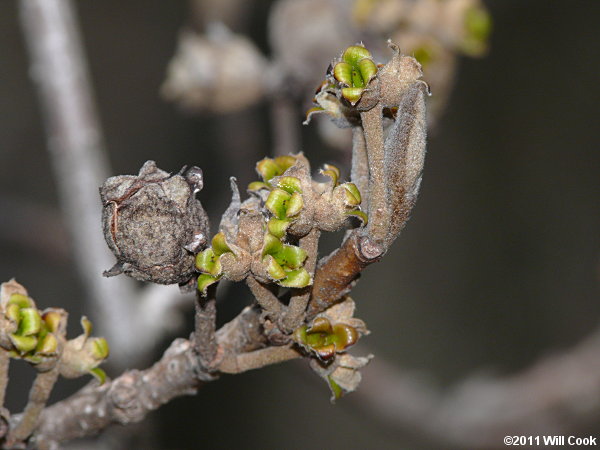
[203, 338]
[372, 123]
[296, 311]
[260, 358]
[38, 396]
[265, 298]
[359, 173]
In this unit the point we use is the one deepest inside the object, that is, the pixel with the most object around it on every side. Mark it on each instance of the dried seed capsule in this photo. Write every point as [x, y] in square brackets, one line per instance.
[154, 224]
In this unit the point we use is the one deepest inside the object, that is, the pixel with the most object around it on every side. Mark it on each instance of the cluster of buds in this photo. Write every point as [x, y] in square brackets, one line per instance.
[32, 335]
[354, 83]
[260, 238]
[39, 337]
[325, 339]
[331, 332]
[328, 337]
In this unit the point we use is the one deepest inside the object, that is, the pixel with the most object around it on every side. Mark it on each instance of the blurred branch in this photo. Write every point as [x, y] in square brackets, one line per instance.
[80, 165]
[286, 125]
[556, 395]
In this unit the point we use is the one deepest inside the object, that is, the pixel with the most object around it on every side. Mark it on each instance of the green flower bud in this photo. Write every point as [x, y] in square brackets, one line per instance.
[22, 301]
[53, 320]
[13, 312]
[289, 184]
[336, 389]
[296, 279]
[47, 345]
[268, 168]
[219, 244]
[353, 197]
[355, 71]
[209, 260]
[205, 280]
[283, 204]
[284, 263]
[257, 186]
[360, 214]
[274, 269]
[325, 339]
[83, 354]
[278, 227]
[30, 322]
[99, 374]
[332, 172]
[24, 344]
[99, 348]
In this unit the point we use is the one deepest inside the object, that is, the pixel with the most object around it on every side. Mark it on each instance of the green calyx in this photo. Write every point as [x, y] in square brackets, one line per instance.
[205, 280]
[352, 200]
[30, 330]
[83, 354]
[209, 260]
[285, 203]
[269, 168]
[325, 339]
[336, 389]
[332, 172]
[354, 72]
[284, 263]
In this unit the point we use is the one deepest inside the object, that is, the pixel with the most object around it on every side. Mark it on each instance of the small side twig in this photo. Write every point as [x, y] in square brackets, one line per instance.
[265, 298]
[259, 358]
[296, 311]
[204, 339]
[38, 396]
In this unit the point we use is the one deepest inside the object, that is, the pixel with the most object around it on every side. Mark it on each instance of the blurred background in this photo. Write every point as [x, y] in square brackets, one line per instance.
[498, 267]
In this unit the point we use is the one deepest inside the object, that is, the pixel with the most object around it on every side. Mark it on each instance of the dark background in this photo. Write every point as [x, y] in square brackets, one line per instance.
[498, 266]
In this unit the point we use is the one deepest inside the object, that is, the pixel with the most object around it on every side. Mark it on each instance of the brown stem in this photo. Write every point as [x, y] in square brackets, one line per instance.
[372, 123]
[38, 396]
[296, 311]
[203, 338]
[265, 298]
[337, 272]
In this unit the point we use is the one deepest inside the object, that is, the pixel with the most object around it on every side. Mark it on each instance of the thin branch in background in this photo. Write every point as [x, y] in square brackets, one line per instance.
[296, 312]
[286, 126]
[58, 69]
[80, 165]
[556, 395]
[38, 396]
